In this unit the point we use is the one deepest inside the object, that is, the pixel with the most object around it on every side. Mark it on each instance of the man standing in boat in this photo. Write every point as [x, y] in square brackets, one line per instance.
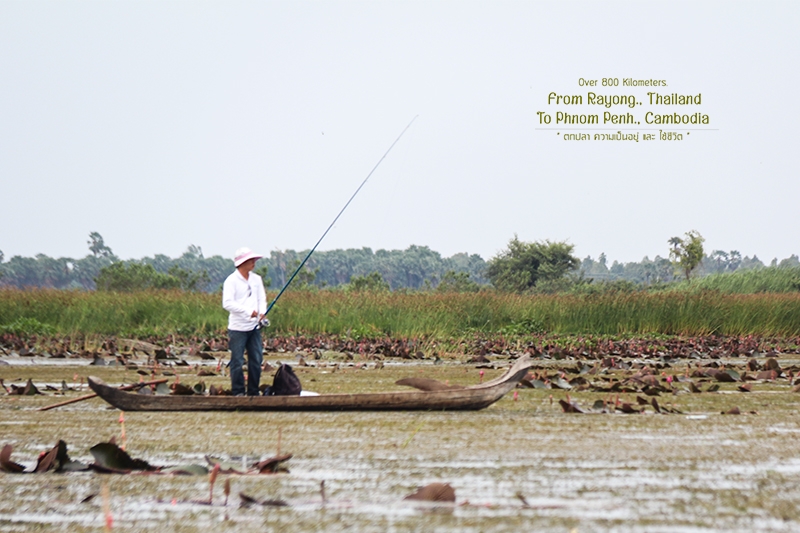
[244, 298]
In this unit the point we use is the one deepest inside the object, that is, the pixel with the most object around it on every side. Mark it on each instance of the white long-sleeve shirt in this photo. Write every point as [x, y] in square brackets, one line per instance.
[240, 297]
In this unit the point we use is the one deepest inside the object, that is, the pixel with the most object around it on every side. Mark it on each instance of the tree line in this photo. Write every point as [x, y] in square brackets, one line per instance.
[416, 268]
[522, 267]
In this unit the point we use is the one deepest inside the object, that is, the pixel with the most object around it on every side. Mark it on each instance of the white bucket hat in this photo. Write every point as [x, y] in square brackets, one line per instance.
[244, 254]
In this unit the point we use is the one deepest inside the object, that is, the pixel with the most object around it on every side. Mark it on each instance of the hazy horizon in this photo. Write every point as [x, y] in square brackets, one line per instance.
[609, 259]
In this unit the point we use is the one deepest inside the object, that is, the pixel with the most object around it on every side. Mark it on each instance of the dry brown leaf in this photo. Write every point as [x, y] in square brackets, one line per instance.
[434, 492]
[273, 464]
[629, 409]
[655, 405]
[570, 407]
[6, 464]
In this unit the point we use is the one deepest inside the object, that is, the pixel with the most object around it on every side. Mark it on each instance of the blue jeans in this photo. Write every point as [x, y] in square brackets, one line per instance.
[237, 342]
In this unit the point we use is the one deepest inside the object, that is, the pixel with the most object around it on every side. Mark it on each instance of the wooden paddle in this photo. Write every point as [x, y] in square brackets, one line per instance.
[88, 396]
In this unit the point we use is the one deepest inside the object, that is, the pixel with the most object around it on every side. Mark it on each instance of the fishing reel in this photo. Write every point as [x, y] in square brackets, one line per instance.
[263, 323]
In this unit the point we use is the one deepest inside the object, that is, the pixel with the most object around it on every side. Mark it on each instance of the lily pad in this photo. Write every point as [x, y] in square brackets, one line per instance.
[182, 390]
[272, 465]
[655, 405]
[434, 492]
[731, 374]
[247, 501]
[30, 389]
[570, 407]
[186, 470]
[110, 456]
[629, 409]
[561, 383]
[6, 464]
[767, 375]
[53, 459]
[226, 467]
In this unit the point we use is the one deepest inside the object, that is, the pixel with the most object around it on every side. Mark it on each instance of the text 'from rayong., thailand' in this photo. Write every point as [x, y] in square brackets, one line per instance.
[598, 107]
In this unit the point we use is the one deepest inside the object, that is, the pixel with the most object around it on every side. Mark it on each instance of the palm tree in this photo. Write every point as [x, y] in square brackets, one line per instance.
[721, 258]
[735, 259]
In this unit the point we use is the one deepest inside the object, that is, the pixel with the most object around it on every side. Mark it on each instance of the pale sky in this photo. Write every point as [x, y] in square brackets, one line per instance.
[228, 124]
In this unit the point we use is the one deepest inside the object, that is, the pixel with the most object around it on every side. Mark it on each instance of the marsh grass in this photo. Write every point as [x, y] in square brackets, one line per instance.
[424, 314]
[750, 281]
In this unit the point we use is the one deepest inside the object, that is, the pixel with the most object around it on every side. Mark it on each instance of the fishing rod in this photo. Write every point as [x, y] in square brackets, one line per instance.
[337, 216]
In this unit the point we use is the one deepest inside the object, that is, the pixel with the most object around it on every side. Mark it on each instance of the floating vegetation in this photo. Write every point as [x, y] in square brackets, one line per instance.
[109, 458]
[651, 441]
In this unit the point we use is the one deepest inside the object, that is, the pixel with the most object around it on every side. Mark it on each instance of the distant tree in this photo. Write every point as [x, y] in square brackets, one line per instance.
[52, 273]
[85, 270]
[409, 268]
[523, 264]
[687, 254]
[137, 277]
[305, 278]
[373, 282]
[194, 251]
[122, 278]
[675, 242]
[415, 265]
[188, 281]
[719, 260]
[596, 270]
[262, 271]
[474, 265]
[750, 262]
[97, 246]
[734, 260]
[453, 281]
[22, 272]
[789, 262]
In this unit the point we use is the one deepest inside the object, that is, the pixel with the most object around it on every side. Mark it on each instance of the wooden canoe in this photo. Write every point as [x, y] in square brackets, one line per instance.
[468, 398]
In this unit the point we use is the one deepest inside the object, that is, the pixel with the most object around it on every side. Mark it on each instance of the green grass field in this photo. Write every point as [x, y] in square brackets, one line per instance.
[432, 315]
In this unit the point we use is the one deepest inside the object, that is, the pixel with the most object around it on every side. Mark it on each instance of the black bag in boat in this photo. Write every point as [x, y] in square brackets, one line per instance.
[285, 383]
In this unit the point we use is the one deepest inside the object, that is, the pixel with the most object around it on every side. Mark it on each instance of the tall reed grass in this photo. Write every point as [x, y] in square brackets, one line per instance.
[107, 313]
[750, 281]
[432, 315]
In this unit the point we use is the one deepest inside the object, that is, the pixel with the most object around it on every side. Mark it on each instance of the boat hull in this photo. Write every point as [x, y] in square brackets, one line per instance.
[468, 398]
